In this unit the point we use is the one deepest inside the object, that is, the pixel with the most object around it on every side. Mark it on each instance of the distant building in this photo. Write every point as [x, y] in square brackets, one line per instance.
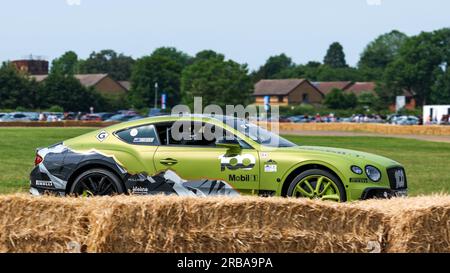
[32, 67]
[126, 85]
[296, 91]
[359, 88]
[287, 92]
[102, 83]
[436, 114]
[327, 87]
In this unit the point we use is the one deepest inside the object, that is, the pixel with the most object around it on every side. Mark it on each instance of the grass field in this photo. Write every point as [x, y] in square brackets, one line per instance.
[427, 163]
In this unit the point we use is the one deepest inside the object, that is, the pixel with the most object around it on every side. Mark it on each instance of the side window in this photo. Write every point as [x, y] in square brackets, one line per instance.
[195, 135]
[143, 135]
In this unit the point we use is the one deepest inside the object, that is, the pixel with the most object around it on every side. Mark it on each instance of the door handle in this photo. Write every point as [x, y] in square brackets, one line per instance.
[168, 161]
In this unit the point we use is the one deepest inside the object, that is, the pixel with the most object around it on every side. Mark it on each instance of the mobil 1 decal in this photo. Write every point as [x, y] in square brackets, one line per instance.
[244, 162]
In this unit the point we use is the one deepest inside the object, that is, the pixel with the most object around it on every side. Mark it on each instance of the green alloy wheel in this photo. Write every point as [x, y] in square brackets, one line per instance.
[317, 184]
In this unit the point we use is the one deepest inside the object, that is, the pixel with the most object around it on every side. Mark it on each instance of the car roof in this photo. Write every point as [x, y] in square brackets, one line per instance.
[218, 119]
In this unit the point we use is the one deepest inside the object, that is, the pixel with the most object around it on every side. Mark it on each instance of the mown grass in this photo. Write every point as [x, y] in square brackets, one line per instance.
[17, 152]
[427, 163]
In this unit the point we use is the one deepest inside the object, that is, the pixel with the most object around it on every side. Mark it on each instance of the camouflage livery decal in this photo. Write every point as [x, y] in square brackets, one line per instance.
[60, 162]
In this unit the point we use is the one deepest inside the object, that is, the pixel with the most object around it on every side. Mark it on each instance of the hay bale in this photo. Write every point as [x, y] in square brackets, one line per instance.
[142, 224]
[41, 224]
[257, 241]
[220, 224]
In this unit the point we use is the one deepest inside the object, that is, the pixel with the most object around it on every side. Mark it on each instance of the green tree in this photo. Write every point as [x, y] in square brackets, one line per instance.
[206, 55]
[16, 90]
[273, 67]
[383, 50]
[118, 66]
[380, 53]
[327, 73]
[369, 100]
[335, 56]
[67, 64]
[417, 63]
[163, 66]
[322, 73]
[217, 81]
[440, 91]
[68, 93]
[338, 99]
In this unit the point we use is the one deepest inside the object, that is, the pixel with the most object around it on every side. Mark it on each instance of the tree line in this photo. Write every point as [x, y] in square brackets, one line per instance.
[393, 60]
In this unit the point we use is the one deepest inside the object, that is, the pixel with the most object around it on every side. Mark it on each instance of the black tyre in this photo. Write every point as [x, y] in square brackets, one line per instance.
[97, 182]
[317, 184]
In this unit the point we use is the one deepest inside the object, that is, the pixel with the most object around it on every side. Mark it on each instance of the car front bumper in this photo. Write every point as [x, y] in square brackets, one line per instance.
[383, 193]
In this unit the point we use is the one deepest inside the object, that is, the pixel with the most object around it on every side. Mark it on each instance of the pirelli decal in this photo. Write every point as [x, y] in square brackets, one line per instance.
[359, 180]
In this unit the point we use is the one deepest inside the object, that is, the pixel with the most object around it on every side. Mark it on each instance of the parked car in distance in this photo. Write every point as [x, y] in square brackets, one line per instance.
[106, 115]
[34, 116]
[11, 117]
[127, 112]
[122, 117]
[136, 117]
[91, 117]
[406, 120]
[54, 116]
[299, 119]
[155, 112]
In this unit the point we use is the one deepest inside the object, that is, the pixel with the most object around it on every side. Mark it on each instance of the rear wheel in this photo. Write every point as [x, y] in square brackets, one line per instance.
[97, 182]
[317, 184]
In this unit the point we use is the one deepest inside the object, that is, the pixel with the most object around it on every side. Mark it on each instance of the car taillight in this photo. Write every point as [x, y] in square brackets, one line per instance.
[38, 159]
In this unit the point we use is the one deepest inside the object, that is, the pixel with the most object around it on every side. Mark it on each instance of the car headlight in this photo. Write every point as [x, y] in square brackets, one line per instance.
[373, 173]
[356, 169]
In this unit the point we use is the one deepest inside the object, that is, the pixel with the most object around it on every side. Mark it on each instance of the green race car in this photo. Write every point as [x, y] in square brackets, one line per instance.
[171, 155]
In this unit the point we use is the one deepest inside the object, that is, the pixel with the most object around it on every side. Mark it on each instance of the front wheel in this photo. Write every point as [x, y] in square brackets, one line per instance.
[97, 182]
[317, 184]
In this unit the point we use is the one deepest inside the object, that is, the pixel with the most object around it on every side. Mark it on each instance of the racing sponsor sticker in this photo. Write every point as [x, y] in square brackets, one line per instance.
[359, 180]
[270, 167]
[244, 162]
[139, 190]
[43, 183]
[102, 136]
[242, 178]
[143, 140]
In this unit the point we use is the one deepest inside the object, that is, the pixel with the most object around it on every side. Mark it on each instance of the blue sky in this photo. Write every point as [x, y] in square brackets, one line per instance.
[248, 31]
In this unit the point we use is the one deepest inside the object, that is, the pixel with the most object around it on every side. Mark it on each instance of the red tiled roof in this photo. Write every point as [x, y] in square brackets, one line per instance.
[125, 84]
[276, 87]
[87, 80]
[327, 87]
[362, 87]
